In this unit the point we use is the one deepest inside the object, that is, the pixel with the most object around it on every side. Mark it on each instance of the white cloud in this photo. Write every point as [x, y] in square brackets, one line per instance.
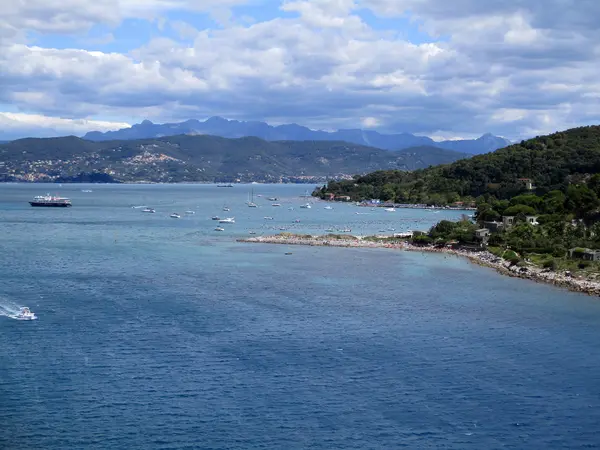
[369, 122]
[76, 16]
[509, 67]
[18, 123]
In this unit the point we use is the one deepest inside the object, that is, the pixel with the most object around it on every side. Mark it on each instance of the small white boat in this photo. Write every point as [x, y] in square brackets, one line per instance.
[25, 314]
[306, 206]
[276, 204]
[272, 199]
[390, 209]
[252, 205]
[190, 212]
[227, 220]
[219, 229]
[216, 218]
[175, 216]
[252, 232]
[225, 208]
[328, 207]
[148, 210]
[268, 218]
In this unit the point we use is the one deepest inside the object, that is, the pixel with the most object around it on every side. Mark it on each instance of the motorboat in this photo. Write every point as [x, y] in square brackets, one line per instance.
[148, 210]
[190, 212]
[25, 314]
[272, 199]
[252, 232]
[216, 218]
[227, 220]
[225, 208]
[219, 229]
[306, 206]
[328, 207]
[390, 209]
[276, 204]
[268, 218]
[175, 216]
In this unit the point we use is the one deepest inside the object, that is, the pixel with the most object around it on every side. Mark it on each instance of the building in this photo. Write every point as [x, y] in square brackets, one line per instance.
[508, 221]
[532, 220]
[343, 198]
[528, 182]
[494, 226]
[483, 234]
[584, 253]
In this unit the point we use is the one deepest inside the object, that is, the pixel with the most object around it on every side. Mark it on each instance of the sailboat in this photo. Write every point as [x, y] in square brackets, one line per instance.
[251, 203]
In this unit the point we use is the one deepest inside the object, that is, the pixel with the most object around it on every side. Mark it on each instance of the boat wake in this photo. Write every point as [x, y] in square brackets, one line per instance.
[10, 309]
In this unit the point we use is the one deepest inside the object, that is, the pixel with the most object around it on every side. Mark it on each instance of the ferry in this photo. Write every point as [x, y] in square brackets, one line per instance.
[50, 201]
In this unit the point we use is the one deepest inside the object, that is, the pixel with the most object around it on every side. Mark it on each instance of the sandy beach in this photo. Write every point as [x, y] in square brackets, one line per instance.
[484, 258]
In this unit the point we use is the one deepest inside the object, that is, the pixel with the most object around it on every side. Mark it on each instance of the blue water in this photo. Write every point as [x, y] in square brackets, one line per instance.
[159, 333]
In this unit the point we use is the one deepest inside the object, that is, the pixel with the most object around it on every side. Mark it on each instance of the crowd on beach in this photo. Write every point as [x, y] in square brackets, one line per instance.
[484, 258]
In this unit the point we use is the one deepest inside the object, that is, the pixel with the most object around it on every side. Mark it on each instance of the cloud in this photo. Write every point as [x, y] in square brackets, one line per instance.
[19, 123]
[77, 16]
[511, 68]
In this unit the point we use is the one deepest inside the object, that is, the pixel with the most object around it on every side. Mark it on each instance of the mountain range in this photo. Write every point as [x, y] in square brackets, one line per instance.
[218, 126]
[204, 158]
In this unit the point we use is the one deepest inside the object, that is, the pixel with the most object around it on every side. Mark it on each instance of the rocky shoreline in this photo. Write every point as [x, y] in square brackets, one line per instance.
[560, 279]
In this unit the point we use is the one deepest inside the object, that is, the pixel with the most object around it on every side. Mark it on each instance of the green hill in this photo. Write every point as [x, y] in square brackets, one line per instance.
[551, 163]
[203, 158]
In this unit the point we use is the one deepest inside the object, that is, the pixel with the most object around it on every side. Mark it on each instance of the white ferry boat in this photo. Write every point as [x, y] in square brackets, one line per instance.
[50, 201]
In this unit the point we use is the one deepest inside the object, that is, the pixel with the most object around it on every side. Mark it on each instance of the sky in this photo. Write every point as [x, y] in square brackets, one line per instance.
[445, 69]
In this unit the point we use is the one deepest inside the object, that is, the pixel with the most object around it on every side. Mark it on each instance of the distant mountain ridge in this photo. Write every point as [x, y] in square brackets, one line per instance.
[218, 126]
[185, 158]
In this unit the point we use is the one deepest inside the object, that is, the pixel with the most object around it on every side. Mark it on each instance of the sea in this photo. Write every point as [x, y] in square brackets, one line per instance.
[163, 333]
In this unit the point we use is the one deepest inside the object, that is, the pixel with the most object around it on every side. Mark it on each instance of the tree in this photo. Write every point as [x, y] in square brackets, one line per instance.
[581, 200]
[518, 210]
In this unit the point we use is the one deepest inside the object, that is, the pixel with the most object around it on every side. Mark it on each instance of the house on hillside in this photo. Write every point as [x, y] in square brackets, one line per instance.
[584, 253]
[532, 220]
[508, 221]
[483, 234]
[528, 182]
[493, 226]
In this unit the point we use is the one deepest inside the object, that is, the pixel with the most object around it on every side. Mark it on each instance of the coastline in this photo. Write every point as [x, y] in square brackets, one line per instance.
[483, 258]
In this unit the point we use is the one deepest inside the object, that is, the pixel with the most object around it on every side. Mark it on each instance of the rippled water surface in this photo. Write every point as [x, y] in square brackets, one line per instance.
[162, 333]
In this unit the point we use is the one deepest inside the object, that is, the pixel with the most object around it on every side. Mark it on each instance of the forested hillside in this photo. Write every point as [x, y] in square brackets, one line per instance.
[549, 162]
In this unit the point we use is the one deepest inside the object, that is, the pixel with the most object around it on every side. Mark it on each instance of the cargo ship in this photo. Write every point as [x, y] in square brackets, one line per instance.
[50, 201]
